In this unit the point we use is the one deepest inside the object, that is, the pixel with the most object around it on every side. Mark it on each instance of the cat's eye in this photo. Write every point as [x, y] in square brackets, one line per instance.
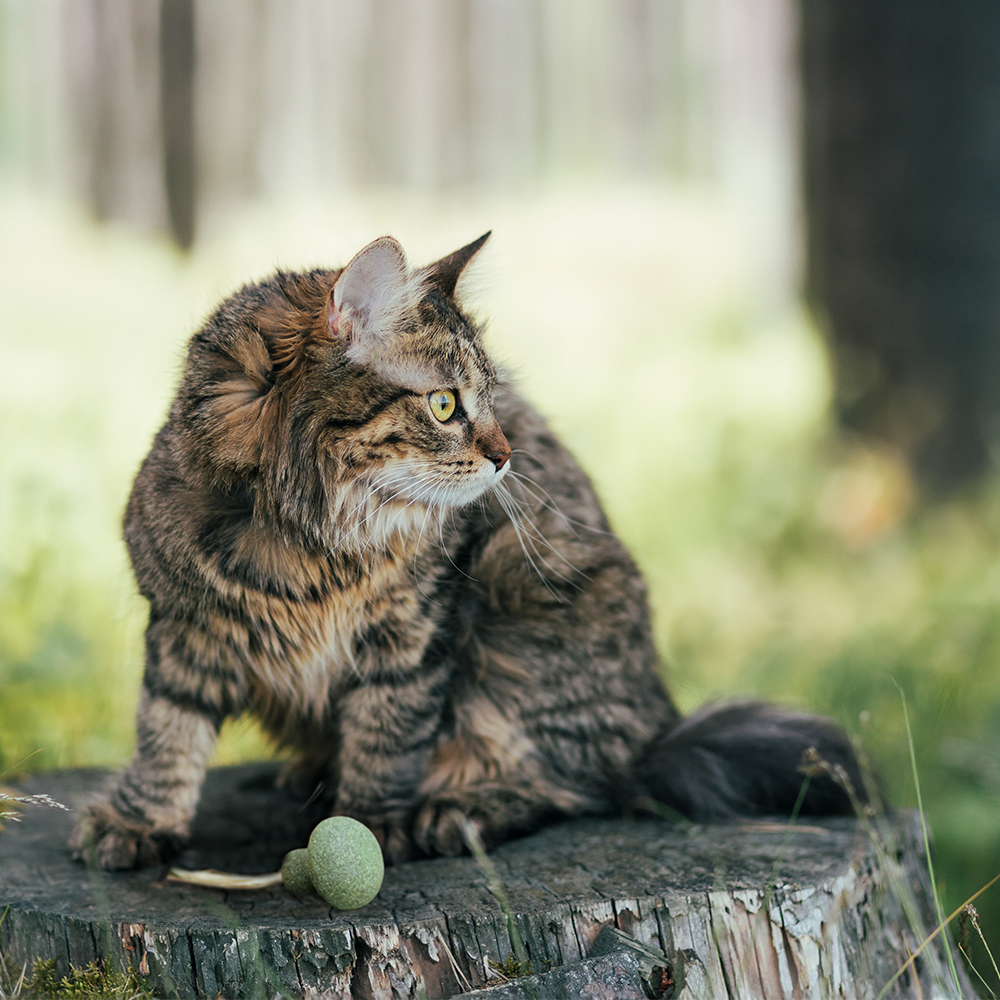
[442, 403]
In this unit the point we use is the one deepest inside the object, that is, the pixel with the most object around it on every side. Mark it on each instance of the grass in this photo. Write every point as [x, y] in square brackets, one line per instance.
[783, 560]
[94, 981]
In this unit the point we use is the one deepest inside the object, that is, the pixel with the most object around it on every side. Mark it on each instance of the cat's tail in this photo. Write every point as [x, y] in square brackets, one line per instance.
[752, 758]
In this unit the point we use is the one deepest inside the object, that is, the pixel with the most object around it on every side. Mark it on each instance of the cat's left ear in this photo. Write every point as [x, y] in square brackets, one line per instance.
[369, 296]
[444, 274]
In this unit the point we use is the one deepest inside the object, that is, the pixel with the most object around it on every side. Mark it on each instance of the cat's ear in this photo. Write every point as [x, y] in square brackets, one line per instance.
[369, 296]
[444, 274]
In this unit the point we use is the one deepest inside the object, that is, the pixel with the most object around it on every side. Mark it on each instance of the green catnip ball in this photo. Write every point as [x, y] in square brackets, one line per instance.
[295, 873]
[345, 862]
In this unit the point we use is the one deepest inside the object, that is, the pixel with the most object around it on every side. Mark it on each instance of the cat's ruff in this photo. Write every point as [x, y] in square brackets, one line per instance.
[333, 536]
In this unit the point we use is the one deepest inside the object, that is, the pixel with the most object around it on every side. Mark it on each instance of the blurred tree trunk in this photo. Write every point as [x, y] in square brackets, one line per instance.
[902, 189]
[115, 144]
[177, 115]
[130, 96]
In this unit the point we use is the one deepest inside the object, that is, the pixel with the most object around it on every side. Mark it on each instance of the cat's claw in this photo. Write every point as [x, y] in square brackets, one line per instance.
[443, 826]
[104, 837]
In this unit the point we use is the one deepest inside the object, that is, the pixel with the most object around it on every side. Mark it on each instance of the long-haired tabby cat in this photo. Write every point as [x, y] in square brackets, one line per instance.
[353, 527]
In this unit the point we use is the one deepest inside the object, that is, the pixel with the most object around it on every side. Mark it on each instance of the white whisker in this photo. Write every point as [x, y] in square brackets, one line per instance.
[529, 534]
[444, 548]
[549, 502]
[531, 561]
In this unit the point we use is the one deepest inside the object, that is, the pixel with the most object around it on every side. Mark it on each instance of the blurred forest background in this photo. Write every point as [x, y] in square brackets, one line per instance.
[745, 258]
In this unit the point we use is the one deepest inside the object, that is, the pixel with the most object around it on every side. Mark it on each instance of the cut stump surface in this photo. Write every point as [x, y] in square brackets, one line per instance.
[843, 916]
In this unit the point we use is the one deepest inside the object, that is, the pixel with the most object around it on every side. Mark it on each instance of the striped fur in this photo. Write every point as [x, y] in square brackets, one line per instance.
[433, 614]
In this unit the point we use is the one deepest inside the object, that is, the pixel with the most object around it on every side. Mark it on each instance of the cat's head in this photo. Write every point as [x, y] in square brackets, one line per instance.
[350, 397]
[432, 437]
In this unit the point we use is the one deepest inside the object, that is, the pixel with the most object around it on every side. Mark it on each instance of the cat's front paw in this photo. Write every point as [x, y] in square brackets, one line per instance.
[104, 837]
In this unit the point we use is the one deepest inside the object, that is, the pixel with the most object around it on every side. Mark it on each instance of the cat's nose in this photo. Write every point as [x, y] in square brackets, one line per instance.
[500, 457]
[495, 447]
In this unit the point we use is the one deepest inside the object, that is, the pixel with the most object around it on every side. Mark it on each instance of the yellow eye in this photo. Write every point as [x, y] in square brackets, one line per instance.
[442, 403]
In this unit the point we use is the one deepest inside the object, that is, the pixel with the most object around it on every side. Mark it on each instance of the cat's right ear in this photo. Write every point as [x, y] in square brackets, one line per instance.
[368, 297]
[444, 274]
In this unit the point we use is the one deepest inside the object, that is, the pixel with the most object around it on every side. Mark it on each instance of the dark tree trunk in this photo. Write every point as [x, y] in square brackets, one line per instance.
[902, 185]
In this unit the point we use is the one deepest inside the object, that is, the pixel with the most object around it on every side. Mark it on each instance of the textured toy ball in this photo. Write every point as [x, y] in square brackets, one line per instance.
[295, 873]
[345, 862]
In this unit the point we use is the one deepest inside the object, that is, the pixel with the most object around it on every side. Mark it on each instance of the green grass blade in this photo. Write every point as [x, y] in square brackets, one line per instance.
[470, 835]
[938, 909]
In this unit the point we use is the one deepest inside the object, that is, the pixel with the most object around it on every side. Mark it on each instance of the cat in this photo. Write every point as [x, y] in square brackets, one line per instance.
[353, 527]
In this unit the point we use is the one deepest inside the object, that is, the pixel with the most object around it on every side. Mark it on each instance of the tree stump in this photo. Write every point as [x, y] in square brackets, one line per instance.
[753, 909]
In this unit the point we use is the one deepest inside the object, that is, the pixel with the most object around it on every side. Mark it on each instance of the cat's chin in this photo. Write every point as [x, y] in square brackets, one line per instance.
[448, 494]
[469, 491]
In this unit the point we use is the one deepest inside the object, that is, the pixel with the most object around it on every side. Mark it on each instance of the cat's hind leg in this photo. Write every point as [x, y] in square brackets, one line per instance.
[498, 810]
[491, 773]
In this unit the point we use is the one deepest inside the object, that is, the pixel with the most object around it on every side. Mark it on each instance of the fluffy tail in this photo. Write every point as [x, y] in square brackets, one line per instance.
[745, 759]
